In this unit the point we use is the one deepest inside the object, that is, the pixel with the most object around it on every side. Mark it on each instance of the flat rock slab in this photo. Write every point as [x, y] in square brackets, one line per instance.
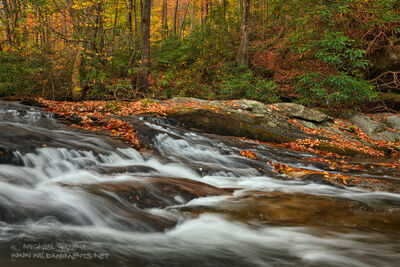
[146, 192]
[301, 112]
[272, 128]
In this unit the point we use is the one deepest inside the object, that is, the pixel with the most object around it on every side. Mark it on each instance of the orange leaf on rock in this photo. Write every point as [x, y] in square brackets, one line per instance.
[248, 154]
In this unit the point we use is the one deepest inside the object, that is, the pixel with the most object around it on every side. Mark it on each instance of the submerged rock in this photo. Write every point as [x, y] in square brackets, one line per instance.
[160, 192]
[298, 209]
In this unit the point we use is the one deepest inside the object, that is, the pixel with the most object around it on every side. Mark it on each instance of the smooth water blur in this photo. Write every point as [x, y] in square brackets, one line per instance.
[68, 197]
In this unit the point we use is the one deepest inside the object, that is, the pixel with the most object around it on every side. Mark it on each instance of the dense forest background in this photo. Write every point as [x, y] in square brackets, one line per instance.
[338, 53]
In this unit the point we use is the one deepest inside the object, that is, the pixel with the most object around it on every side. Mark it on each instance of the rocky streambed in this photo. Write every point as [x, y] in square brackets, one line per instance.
[208, 183]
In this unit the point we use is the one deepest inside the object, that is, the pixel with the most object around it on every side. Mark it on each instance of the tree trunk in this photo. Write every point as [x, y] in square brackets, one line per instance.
[193, 15]
[164, 19]
[266, 13]
[8, 22]
[129, 8]
[201, 12]
[176, 16]
[184, 17]
[142, 82]
[244, 34]
[224, 5]
[76, 75]
[206, 12]
[136, 22]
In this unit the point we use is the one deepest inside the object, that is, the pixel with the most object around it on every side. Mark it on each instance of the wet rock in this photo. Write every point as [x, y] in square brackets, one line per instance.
[32, 102]
[74, 119]
[301, 112]
[25, 139]
[124, 169]
[149, 192]
[16, 137]
[118, 215]
[278, 208]
[6, 156]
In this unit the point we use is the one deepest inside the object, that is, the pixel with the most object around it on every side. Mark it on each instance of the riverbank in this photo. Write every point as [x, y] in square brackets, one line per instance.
[344, 145]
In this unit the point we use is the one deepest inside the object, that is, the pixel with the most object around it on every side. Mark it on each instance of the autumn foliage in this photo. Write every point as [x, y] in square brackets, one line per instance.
[317, 53]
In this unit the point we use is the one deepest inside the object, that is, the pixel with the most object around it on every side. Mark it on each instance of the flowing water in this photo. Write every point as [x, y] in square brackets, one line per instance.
[69, 198]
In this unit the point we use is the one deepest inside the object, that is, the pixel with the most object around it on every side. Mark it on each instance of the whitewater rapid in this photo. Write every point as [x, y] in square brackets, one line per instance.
[55, 189]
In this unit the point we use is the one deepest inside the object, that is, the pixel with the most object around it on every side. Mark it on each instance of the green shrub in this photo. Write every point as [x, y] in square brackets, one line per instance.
[334, 90]
[18, 74]
[246, 85]
[235, 86]
[34, 74]
[337, 51]
[264, 91]
[344, 85]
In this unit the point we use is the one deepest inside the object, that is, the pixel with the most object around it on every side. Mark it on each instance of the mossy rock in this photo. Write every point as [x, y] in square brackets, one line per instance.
[341, 151]
[231, 123]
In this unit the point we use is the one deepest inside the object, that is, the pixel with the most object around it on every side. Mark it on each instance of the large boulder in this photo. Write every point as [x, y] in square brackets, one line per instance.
[268, 127]
[376, 130]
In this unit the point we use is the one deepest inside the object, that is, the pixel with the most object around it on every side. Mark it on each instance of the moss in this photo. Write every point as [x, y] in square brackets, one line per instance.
[341, 151]
[147, 101]
[379, 130]
[115, 105]
[266, 136]
[352, 129]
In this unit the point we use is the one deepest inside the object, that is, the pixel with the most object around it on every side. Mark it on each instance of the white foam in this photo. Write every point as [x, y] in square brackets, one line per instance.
[211, 237]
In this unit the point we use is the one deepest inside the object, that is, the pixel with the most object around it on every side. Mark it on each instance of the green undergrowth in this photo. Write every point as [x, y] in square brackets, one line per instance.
[317, 53]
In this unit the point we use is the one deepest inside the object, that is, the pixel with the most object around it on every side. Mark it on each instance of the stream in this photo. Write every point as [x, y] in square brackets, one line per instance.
[71, 198]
